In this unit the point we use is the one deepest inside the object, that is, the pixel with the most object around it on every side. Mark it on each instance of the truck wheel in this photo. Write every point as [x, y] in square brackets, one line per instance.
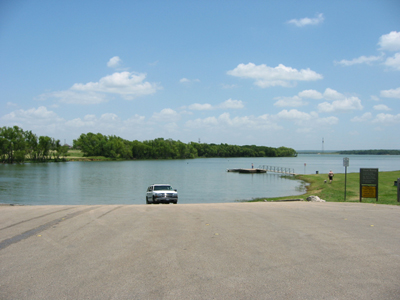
[147, 200]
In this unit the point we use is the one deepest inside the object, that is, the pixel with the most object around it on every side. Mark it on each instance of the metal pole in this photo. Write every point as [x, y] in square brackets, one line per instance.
[398, 189]
[345, 182]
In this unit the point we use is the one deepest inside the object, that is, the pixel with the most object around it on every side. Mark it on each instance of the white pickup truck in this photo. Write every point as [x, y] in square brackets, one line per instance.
[161, 193]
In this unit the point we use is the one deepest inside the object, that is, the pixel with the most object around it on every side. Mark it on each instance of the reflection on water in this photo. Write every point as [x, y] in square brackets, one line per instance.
[197, 181]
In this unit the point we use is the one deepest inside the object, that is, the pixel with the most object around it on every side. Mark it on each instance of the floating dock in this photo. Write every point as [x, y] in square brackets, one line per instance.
[265, 169]
[247, 170]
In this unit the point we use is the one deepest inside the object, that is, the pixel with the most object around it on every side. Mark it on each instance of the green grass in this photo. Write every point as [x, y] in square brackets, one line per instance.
[75, 153]
[387, 191]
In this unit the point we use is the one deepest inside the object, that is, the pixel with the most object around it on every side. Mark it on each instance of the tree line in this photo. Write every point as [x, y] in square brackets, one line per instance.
[371, 152]
[17, 145]
[115, 147]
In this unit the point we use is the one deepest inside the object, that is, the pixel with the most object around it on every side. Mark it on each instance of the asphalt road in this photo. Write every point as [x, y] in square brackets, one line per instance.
[291, 250]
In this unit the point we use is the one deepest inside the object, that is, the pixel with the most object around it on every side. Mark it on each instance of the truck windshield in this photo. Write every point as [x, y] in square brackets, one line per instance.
[162, 187]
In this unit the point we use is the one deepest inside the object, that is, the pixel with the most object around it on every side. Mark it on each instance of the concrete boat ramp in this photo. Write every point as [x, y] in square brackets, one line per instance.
[286, 250]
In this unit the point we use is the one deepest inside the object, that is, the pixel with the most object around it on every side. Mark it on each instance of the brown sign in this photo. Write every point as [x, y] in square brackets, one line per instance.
[368, 191]
[369, 183]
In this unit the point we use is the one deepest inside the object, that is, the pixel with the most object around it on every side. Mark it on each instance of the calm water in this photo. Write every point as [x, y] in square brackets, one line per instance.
[198, 181]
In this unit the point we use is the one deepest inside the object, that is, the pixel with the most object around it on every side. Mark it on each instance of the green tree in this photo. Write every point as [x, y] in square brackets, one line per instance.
[91, 144]
[44, 147]
[31, 145]
[12, 144]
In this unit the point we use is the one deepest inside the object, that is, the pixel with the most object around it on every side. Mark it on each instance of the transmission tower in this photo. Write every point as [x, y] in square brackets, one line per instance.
[322, 145]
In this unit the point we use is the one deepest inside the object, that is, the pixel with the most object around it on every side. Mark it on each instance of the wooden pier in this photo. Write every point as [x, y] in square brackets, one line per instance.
[280, 170]
[265, 169]
[252, 171]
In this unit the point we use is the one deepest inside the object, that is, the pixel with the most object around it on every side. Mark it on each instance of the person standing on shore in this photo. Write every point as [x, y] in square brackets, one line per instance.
[330, 175]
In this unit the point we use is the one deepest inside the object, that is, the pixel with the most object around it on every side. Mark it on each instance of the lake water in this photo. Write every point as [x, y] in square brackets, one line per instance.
[202, 180]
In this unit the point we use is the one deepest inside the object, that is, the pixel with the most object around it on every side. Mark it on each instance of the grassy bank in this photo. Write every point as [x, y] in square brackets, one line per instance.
[77, 155]
[387, 191]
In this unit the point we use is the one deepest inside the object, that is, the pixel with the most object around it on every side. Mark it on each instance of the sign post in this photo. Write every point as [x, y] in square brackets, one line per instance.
[345, 164]
[398, 189]
[369, 183]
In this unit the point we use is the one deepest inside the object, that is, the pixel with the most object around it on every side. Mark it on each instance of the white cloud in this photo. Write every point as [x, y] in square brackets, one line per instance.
[304, 119]
[387, 42]
[348, 104]
[360, 60]
[107, 121]
[166, 115]
[354, 133]
[295, 115]
[266, 76]
[224, 121]
[75, 97]
[171, 127]
[228, 104]
[185, 80]
[114, 62]
[310, 94]
[11, 104]
[231, 104]
[303, 130]
[294, 101]
[229, 86]
[135, 120]
[387, 119]
[390, 41]
[393, 93]
[375, 98]
[126, 84]
[340, 102]
[381, 107]
[201, 123]
[297, 100]
[365, 117]
[34, 116]
[307, 21]
[331, 94]
[40, 120]
[198, 106]
[393, 62]
[88, 121]
[109, 118]
[328, 121]
[225, 118]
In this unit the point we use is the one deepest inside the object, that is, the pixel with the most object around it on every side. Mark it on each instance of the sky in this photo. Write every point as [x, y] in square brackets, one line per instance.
[308, 75]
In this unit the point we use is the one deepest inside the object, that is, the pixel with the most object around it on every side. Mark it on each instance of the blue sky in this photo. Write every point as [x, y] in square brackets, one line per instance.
[273, 73]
